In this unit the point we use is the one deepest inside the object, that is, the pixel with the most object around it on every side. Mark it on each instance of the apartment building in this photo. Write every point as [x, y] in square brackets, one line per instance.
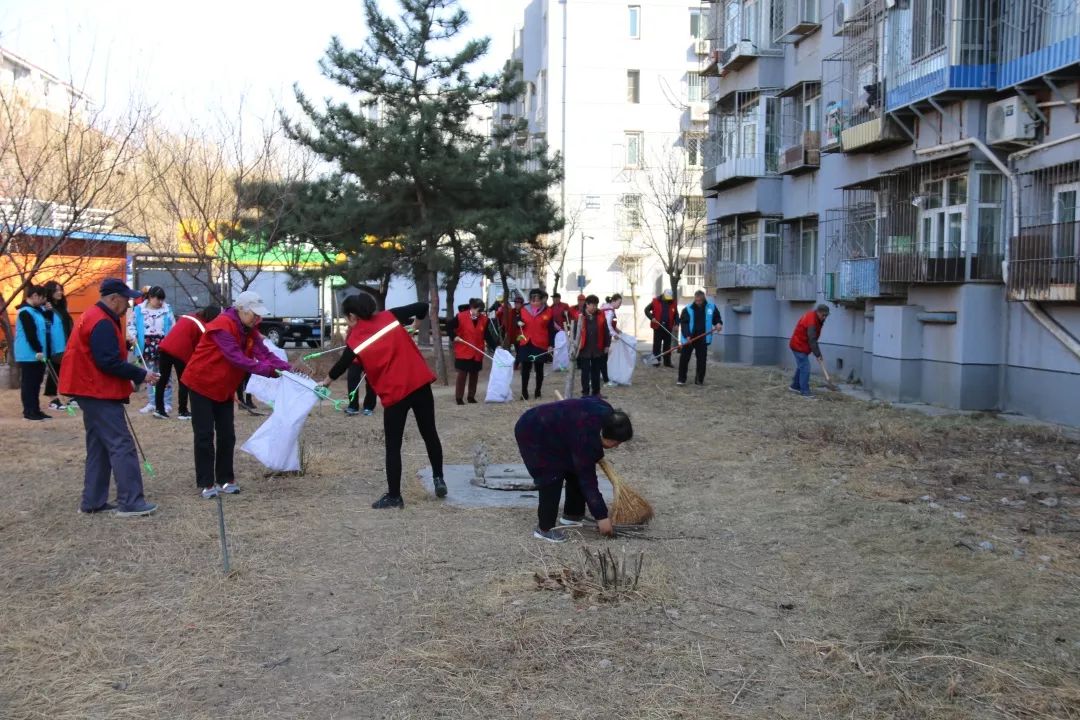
[916, 164]
[614, 87]
[37, 87]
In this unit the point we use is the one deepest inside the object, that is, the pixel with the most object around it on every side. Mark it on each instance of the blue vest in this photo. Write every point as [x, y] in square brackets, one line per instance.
[57, 341]
[140, 325]
[709, 310]
[23, 351]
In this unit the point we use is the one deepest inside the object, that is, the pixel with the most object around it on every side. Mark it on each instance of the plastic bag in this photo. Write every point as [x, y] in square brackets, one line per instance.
[264, 388]
[561, 356]
[621, 361]
[276, 444]
[502, 375]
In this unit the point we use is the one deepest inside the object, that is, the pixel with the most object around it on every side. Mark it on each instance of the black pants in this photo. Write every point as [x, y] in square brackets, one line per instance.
[32, 375]
[700, 349]
[351, 381]
[526, 370]
[547, 512]
[422, 403]
[240, 391]
[603, 366]
[51, 377]
[166, 363]
[661, 343]
[212, 420]
[590, 375]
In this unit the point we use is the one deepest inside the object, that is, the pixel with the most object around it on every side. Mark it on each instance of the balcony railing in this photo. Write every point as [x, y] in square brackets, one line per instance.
[740, 54]
[796, 287]
[1043, 263]
[918, 267]
[870, 134]
[795, 19]
[1037, 39]
[857, 279]
[740, 275]
[802, 157]
[732, 171]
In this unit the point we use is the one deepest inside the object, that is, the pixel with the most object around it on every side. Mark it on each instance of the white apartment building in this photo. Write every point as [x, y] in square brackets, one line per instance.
[37, 87]
[614, 87]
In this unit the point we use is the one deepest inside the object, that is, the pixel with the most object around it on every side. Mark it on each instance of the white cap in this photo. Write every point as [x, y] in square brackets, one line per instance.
[250, 300]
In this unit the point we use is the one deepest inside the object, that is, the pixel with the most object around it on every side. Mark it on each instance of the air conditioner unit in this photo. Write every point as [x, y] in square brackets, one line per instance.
[1009, 122]
[701, 47]
[699, 112]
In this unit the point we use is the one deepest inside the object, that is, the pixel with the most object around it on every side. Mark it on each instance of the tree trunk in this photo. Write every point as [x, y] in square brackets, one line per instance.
[436, 334]
[452, 279]
[423, 294]
[633, 304]
[508, 327]
[674, 279]
[384, 288]
[9, 338]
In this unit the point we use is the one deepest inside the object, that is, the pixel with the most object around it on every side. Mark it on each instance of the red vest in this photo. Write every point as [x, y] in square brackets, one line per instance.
[395, 368]
[559, 311]
[208, 372]
[535, 329]
[601, 327]
[79, 374]
[184, 336]
[800, 340]
[472, 333]
[657, 307]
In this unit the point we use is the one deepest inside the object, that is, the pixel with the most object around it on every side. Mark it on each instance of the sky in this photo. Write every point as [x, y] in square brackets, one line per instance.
[192, 59]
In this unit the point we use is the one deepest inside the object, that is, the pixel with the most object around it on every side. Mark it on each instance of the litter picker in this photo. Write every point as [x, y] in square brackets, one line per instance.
[691, 340]
[828, 380]
[322, 392]
[146, 463]
[323, 352]
[69, 409]
[221, 534]
[489, 357]
[534, 358]
[352, 395]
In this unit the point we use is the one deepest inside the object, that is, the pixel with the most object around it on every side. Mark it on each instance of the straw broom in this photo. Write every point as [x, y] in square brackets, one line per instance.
[629, 508]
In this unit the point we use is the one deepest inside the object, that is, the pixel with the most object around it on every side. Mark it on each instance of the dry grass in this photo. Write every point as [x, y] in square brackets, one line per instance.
[792, 571]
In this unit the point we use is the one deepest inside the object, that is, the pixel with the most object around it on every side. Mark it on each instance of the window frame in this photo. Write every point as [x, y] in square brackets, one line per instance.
[633, 87]
[633, 136]
[634, 21]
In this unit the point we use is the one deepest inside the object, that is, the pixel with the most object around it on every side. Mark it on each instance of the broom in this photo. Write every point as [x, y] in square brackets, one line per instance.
[629, 508]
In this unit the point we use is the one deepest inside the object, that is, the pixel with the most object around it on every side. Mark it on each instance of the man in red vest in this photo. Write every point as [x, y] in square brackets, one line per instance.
[96, 373]
[466, 331]
[804, 341]
[560, 311]
[663, 314]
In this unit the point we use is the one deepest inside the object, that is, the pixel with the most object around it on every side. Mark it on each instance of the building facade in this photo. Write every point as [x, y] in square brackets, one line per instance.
[916, 164]
[614, 88]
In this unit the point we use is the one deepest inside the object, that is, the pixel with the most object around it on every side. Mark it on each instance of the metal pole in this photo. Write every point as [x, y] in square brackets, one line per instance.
[221, 533]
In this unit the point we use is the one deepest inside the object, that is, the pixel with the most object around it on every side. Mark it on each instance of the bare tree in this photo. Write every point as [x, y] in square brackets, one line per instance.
[673, 219]
[556, 246]
[62, 189]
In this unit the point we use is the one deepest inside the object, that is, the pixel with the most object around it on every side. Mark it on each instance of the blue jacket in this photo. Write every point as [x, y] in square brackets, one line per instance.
[57, 339]
[24, 351]
[712, 317]
[140, 326]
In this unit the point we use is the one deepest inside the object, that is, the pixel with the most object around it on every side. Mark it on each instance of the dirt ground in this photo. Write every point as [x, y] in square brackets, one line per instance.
[829, 559]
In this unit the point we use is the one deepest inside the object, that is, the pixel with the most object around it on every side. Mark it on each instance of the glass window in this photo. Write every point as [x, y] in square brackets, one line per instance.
[771, 249]
[693, 151]
[633, 149]
[694, 87]
[632, 210]
[957, 191]
[697, 24]
[635, 21]
[633, 86]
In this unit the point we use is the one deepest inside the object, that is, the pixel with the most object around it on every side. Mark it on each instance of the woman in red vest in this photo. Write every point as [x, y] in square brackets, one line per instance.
[401, 378]
[175, 351]
[536, 341]
[594, 343]
[230, 348]
[471, 327]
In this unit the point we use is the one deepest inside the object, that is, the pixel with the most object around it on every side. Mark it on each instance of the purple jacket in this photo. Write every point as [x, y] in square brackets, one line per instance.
[263, 362]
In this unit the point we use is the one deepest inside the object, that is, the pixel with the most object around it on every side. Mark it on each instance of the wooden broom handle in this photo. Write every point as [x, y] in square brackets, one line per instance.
[612, 476]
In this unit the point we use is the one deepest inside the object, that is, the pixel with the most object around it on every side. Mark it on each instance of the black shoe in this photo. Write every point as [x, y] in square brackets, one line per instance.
[440, 486]
[524, 394]
[103, 509]
[40, 416]
[387, 501]
[699, 382]
[460, 401]
[536, 395]
[472, 401]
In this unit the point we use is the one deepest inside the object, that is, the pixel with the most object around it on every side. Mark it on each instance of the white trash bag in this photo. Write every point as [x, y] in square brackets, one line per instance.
[264, 388]
[276, 444]
[561, 356]
[501, 377]
[621, 361]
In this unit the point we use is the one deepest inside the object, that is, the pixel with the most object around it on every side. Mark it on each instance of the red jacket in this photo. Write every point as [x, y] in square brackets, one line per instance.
[559, 311]
[657, 308]
[800, 340]
[184, 336]
[536, 328]
[209, 372]
[603, 337]
[395, 368]
[472, 333]
[79, 374]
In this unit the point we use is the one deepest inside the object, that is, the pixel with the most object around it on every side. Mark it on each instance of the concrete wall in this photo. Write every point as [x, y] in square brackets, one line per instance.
[1042, 378]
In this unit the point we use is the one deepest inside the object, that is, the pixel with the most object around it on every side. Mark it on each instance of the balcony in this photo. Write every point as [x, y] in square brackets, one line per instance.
[803, 157]
[873, 134]
[711, 63]
[738, 275]
[921, 268]
[737, 56]
[733, 171]
[795, 19]
[857, 279]
[796, 287]
[1044, 264]
[1037, 39]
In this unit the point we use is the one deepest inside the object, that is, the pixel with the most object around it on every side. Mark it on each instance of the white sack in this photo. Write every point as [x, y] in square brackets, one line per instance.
[264, 388]
[621, 361]
[561, 356]
[502, 375]
[276, 444]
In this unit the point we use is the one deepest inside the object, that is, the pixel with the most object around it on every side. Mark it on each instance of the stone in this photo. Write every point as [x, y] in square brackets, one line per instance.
[605, 664]
[963, 498]
[959, 515]
[1001, 476]
[1025, 480]
[934, 506]
[672, 613]
[1018, 553]
[987, 546]
[926, 498]
[1049, 501]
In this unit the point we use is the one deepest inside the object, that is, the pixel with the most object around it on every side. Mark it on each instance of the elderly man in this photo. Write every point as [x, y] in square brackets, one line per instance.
[698, 322]
[804, 341]
[663, 315]
[96, 373]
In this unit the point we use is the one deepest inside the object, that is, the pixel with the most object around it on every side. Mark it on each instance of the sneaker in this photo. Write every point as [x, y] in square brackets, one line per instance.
[699, 382]
[230, 488]
[808, 396]
[471, 401]
[680, 383]
[143, 508]
[39, 416]
[571, 519]
[73, 403]
[161, 415]
[794, 390]
[388, 501]
[459, 401]
[107, 507]
[611, 383]
[148, 408]
[554, 535]
[351, 412]
[211, 492]
[183, 415]
[56, 404]
[367, 412]
[440, 486]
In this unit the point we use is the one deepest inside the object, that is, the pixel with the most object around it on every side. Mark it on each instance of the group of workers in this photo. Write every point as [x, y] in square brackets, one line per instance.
[213, 350]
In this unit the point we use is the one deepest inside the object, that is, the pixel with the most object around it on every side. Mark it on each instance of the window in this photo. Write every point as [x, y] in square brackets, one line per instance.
[928, 27]
[694, 87]
[943, 217]
[697, 24]
[695, 208]
[694, 147]
[631, 204]
[541, 95]
[806, 248]
[633, 86]
[1065, 219]
[635, 21]
[633, 149]
[694, 275]
[748, 130]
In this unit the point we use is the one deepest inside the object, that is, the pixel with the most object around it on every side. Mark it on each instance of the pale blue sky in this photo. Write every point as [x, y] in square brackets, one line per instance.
[186, 58]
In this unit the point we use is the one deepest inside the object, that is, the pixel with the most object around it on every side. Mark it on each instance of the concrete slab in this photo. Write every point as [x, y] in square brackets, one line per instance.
[504, 477]
[462, 493]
